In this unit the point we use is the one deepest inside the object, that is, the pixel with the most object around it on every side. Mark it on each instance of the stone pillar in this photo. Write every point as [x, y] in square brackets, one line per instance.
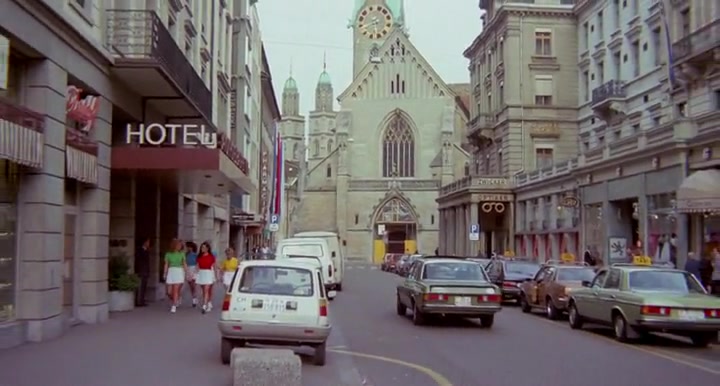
[442, 231]
[190, 220]
[475, 220]
[463, 231]
[512, 226]
[94, 205]
[41, 198]
[643, 222]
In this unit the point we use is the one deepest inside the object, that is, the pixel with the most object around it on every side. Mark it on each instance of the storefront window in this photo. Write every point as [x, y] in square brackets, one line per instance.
[711, 232]
[8, 221]
[662, 227]
[595, 231]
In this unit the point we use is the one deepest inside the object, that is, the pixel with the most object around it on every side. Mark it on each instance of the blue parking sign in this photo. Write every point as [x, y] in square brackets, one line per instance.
[474, 228]
[274, 219]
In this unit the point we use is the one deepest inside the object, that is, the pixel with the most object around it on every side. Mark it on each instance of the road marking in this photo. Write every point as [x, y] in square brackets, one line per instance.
[660, 354]
[439, 379]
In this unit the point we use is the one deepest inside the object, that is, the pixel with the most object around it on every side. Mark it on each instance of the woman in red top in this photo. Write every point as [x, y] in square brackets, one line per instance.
[206, 275]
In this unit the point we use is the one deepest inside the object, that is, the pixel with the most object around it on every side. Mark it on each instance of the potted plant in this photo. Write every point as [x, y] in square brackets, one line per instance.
[121, 284]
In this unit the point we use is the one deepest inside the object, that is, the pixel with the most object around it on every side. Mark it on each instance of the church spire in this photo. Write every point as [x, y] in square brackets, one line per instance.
[324, 90]
[290, 97]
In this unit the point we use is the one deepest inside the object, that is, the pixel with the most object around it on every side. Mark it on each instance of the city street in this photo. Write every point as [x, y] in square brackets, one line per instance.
[370, 345]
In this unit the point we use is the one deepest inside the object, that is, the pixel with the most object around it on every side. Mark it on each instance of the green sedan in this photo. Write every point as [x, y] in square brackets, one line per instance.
[448, 286]
[637, 300]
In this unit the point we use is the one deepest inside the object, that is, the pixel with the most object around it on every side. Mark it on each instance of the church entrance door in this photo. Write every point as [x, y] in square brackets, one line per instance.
[395, 230]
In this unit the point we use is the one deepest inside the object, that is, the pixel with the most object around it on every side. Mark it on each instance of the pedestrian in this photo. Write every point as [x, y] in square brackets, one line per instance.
[229, 266]
[715, 276]
[191, 275]
[175, 268]
[142, 269]
[437, 251]
[692, 265]
[589, 259]
[206, 275]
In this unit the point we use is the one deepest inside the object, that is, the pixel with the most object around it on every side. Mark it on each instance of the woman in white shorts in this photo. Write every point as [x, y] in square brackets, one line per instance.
[175, 268]
[206, 275]
[191, 274]
[229, 266]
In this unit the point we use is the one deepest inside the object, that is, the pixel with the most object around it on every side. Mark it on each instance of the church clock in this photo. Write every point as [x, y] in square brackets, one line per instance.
[375, 21]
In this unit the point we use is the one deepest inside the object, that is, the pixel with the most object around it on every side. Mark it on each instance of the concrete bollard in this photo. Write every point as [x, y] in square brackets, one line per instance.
[265, 367]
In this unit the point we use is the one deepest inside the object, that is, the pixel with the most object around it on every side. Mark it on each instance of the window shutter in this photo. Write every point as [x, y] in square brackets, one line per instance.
[543, 86]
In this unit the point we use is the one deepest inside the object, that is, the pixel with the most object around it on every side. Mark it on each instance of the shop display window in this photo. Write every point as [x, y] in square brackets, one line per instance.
[8, 227]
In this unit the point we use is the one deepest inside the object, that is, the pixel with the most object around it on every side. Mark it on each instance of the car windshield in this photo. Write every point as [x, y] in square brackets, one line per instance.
[277, 281]
[666, 281]
[575, 274]
[521, 268]
[301, 249]
[454, 271]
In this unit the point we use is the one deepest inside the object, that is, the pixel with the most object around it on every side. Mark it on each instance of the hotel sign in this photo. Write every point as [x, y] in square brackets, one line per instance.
[171, 134]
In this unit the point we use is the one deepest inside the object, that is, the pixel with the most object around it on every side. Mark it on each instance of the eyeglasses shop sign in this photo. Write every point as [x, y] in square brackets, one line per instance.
[171, 134]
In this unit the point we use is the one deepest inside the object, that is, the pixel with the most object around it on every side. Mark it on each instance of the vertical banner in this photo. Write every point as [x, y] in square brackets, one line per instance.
[280, 173]
[4, 61]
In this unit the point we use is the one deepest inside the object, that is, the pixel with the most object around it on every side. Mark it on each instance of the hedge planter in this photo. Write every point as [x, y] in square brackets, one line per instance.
[121, 301]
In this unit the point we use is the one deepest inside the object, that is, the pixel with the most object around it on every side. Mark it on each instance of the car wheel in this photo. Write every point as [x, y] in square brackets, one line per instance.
[702, 340]
[226, 347]
[524, 305]
[399, 307]
[320, 353]
[486, 321]
[418, 318]
[550, 310]
[574, 317]
[620, 328]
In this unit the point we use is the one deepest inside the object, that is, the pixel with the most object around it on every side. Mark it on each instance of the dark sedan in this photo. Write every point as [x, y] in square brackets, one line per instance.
[508, 274]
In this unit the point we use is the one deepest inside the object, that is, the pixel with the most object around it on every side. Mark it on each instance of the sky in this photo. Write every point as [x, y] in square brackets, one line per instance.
[298, 33]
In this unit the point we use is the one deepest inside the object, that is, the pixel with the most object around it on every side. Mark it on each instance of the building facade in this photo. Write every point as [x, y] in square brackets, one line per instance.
[376, 164]
[646, 178]
[76, 187]
[523, 78]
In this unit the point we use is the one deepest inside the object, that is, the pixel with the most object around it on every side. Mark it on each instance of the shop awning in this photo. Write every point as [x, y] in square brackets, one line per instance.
[700, 192]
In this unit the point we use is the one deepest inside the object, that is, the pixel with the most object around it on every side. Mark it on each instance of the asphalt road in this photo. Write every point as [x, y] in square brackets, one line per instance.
[370, 346]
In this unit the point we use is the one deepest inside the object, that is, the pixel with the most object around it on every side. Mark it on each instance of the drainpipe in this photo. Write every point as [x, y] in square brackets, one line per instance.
[213, 76]
[522, 103]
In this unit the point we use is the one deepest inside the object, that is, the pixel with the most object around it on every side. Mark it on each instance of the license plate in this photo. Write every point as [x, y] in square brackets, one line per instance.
[691, 315]
[463, 301]
[274, 305]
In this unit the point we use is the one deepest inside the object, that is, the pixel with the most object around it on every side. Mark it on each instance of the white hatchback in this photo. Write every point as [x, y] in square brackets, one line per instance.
[276, 302]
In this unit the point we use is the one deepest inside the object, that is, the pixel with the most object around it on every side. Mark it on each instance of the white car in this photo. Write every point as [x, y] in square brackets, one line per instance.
[276, 302]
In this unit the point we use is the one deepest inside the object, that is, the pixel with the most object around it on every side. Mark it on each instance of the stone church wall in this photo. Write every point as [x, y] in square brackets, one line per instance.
[317, 212]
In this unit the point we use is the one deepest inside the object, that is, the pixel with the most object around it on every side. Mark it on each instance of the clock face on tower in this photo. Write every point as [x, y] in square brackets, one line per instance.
[375, 21]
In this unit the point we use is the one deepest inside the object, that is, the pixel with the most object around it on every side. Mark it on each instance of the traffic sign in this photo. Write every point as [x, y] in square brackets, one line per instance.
[274, 219]
[274, 227]
[474, 232]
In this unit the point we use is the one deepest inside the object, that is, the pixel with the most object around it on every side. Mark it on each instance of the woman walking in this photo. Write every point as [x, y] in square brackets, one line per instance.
[175, 268]
[206, 275]
[229, 266]
[191, 260]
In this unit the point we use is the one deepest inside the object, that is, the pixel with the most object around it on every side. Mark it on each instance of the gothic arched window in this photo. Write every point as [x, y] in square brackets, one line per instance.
[316, 148]
[398, 154]
[330, 146]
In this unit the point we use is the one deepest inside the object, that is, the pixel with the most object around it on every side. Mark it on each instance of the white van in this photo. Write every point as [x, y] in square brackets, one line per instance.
[316, 247]
[336, 252]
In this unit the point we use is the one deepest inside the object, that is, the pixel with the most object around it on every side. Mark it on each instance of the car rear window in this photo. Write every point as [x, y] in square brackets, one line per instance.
[302, 249]
[277, 281]
[521, 268]
[576, 274]
[666, 281]
[454, 271]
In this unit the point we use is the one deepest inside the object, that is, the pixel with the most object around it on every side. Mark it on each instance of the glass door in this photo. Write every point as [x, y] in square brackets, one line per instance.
[68, 286]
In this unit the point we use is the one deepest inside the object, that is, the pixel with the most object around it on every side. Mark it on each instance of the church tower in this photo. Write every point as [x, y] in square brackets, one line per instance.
[372, 22]
[322, 122]
[292, 125]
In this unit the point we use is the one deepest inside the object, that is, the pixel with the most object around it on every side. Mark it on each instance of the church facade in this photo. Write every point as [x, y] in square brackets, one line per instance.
[375, 167]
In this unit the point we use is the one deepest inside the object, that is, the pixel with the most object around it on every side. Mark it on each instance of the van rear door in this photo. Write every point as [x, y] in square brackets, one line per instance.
[270, 294]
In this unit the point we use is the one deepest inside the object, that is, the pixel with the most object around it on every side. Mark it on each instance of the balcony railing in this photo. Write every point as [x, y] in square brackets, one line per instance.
[477, 182]
[531, 225]
[559, 223]
[228, 148]
[704, 39]
[135, 35]
[613, 89]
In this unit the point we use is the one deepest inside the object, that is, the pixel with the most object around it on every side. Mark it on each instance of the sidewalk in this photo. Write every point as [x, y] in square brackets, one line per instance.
[146, 347]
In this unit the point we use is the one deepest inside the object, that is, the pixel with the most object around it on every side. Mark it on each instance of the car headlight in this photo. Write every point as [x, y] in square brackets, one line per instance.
[568, 291]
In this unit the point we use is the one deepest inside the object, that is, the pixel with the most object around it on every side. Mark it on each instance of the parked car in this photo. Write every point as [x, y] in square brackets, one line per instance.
[276, 302]
[549, 290]
[636, 300]
[508, 273]
[390, 261]
[448, 286]
[404, 268]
